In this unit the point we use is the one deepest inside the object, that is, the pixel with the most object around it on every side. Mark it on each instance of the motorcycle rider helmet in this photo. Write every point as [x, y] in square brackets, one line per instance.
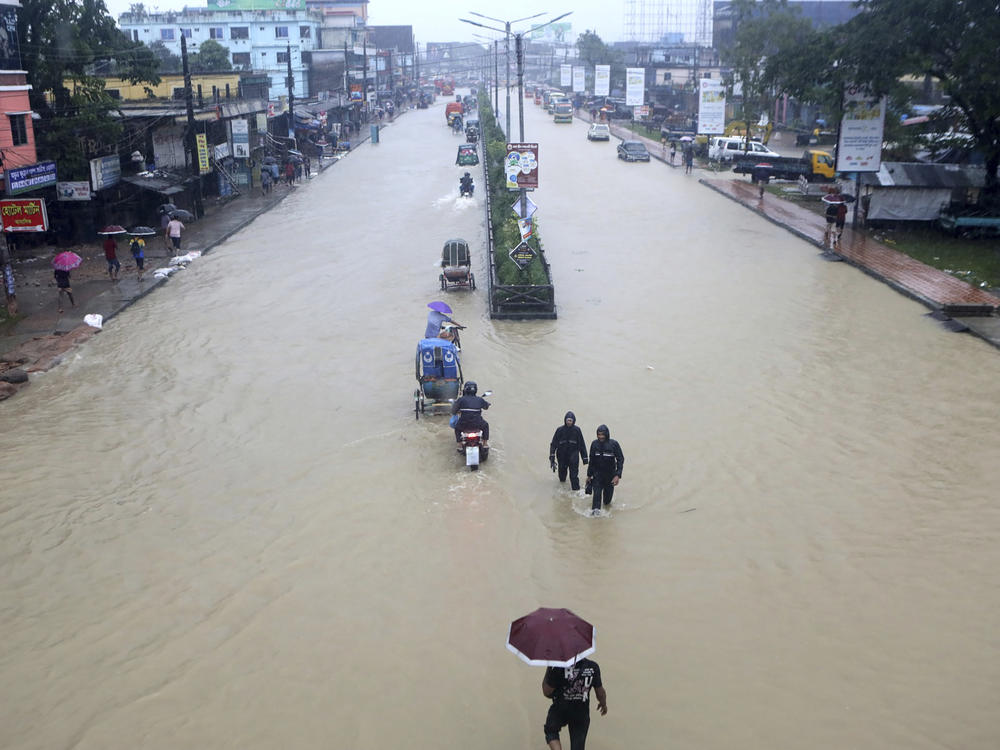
[466, 174]
[470, 388]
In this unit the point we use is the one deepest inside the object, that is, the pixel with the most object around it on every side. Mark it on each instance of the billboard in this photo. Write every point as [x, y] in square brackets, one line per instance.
[24, 215]
[711, 107]
[560, 33]
[521, 165]
[579, 81]
[32, 177]
[635, 86]
[201, 141]
[73, 191]
[602, 80]
[861, 131]
[565, 75]
[10, 52]
[241, 138]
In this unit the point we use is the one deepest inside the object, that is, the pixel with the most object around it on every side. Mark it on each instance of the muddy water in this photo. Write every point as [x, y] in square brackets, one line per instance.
[222, 527]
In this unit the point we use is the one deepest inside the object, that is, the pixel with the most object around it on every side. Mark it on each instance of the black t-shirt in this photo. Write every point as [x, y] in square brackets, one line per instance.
[574, 683]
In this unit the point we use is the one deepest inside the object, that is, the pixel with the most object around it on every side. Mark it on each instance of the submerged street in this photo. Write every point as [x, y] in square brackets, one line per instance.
[223, 528]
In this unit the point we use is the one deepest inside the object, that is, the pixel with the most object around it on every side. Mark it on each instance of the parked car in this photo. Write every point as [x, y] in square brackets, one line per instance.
[632, 151]
[726, 149]
[599, 132]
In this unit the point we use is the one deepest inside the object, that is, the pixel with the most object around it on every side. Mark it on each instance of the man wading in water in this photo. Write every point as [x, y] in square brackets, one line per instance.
[569, 689]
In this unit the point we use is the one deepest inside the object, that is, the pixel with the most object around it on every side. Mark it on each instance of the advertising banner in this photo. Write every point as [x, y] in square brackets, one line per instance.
[73, 191]
[641, 112]
[602, 80]
[559, 33]
[711, 107]
[24, 215]
[565, 75]
[220, 151]
[521, 166]
[579, 80]
[522, 255]
[527, 227]
[32, 177]
[105, 171]
[635, 85]
[201, 140]
[10, 51]
[241, 139]
[861, 132]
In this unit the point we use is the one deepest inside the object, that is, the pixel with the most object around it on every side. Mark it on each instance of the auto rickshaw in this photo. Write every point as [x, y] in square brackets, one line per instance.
[468, 155]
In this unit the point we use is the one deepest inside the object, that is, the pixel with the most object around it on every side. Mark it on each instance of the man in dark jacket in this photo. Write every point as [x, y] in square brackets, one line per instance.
[469, 409]
[568, 447]
[605, 470]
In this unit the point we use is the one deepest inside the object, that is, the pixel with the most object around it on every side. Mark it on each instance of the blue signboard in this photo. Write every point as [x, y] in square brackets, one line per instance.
[26, 179]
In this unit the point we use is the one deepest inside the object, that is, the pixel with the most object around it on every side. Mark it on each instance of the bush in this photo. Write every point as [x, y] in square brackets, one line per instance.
[506, 234]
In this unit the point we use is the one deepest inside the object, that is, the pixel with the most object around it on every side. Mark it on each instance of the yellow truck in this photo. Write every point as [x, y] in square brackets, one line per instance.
[815, 165]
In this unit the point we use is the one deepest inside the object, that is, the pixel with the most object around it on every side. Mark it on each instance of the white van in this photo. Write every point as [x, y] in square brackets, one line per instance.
[726, 149]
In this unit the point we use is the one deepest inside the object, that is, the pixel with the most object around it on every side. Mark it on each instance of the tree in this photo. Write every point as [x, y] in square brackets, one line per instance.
[61, 41]
[593, 51]
[763, 30]
[168, 61]
[955, 42]
[212, 58]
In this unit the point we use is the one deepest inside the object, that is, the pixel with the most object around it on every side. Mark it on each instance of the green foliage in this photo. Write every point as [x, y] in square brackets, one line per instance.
[506, 234]
[168, 61]
[63, 43]
[211, 57]
[592, 50]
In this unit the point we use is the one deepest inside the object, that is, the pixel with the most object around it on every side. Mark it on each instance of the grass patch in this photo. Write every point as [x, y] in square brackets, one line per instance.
[975, 261]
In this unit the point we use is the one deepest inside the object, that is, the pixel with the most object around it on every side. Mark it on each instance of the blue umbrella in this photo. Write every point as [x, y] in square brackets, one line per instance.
[440, 307]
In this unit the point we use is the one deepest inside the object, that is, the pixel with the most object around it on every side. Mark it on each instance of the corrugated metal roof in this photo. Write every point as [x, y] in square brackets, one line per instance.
[907, 174]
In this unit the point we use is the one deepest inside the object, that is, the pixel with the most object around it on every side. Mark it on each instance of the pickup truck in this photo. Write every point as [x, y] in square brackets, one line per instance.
[814, 165]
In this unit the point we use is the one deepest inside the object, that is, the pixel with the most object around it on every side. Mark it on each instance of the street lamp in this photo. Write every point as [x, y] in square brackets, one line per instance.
[506, 31]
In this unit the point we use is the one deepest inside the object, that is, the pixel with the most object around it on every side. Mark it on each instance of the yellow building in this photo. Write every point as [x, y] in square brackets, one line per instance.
[171, 86]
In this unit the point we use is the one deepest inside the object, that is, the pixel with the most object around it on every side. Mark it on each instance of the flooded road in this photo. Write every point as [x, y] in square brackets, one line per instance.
[221, 526]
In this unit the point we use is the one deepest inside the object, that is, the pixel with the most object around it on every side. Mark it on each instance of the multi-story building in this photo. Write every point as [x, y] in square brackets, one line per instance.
[258, 40]
[17, 136]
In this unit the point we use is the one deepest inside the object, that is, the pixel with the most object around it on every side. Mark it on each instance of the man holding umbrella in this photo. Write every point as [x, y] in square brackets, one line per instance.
[561, 641]
[569, 689]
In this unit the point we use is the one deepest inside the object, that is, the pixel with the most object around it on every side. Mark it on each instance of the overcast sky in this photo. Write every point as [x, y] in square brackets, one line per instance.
[437, 20]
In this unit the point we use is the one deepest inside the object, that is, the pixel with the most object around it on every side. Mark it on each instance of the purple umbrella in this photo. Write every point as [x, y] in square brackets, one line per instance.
[440, 307]
[551, 638]
[66, 261]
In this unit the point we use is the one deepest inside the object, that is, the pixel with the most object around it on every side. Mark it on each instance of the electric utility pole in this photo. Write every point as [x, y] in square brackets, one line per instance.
[199, 209]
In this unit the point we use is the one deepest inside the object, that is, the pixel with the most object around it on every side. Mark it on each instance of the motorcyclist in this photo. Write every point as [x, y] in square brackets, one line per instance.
[569, 448]
[465, 184]
[605, 470]
[470, 410]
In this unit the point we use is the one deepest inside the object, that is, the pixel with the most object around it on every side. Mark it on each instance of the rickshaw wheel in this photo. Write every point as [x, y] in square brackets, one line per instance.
[472, 281]
[444, 284]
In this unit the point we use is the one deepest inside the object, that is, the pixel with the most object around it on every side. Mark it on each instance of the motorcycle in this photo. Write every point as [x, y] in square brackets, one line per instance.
[471, 444]
[466, 190]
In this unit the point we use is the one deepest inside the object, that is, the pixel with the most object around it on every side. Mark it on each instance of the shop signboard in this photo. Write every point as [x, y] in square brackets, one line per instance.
[241, 139]
[73, 191]
[32, 177]
[201, 140]
[521, 166]
[105, 171]
[24, 215]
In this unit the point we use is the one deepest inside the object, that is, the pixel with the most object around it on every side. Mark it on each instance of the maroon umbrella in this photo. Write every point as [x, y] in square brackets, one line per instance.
[113, 229]
[551, 638]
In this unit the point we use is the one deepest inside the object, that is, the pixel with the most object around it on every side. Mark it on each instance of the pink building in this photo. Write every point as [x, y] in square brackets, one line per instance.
[17, 135]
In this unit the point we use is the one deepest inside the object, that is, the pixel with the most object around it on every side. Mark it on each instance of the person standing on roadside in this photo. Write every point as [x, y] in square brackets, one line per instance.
[111, 255]
[605, 470]
[137, 246]
[569, 448]
[673, 152]
[265, 181]
[62, 282]
[569, 689]
[174, 229]
[164, 220]
[289, 172]
[688, 158]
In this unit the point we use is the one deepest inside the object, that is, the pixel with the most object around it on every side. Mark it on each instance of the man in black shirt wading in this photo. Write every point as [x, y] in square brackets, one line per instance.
[569, 689]
[605, 470]
[568, 448]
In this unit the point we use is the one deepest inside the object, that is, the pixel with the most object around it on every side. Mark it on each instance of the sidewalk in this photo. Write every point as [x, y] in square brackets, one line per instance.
[974, 308]
[37, 340]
